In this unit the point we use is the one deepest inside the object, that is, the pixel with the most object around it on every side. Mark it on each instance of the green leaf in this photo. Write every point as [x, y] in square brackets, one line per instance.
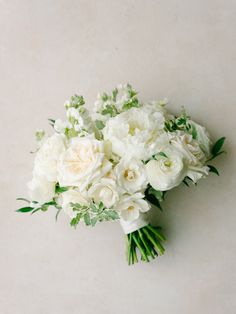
[217, 146]
[158, 194]
[213, 169]
[194, 132]
[94, 221]
[25, 209]
[113, 214]
[60, 189]
[99, 124]
[162, 154]
[87, 219]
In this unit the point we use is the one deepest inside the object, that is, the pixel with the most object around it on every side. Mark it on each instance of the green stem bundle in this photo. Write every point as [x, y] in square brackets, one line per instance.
[146, 243]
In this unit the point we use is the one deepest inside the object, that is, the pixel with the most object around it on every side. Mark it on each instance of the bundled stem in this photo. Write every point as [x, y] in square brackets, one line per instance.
[146, 241]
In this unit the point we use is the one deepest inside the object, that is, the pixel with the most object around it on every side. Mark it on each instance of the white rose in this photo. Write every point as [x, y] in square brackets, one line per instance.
[166, 172]
[72, 196]
[83, 163]
[45, 163]
[134, 131]
[104, 191]
[203, 138]
[130, 206]
[41, 190]
[131, 174]
[192, 153]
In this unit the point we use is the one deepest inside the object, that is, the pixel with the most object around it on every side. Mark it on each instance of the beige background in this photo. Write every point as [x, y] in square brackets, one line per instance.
[184, 50]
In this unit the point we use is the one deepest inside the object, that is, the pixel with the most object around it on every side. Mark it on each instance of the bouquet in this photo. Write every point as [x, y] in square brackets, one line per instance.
[118, 162]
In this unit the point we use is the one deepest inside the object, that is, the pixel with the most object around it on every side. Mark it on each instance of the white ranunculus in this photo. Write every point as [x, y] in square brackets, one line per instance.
[166, 172]
[203, 138]
[130, 206]
[41, 190]
[131, 175]
[72, 196]
[104, 191]
[83, 162]
[45, 163]
[134, 131]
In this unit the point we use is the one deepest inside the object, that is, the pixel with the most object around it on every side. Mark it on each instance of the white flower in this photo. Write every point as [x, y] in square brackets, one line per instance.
[130, 206]
[72, 196]
[131, 174]
[45, 164]
[41, 190]
[60, 126]
[83, 162]
[192, 153]
[203, 138]
[166, 172]
[134, 131]
[104, 191]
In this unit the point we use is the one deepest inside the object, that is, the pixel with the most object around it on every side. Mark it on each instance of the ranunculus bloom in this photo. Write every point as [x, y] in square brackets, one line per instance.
[166, 172]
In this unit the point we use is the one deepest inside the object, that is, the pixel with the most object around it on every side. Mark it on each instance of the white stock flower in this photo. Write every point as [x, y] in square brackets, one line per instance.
[72, 196]
[83, 162]
[41, 190]
[134, 131]
[45, 163]
[166, 172]
[131, 175]
[60, 126]
[130, 206]
[104, 191]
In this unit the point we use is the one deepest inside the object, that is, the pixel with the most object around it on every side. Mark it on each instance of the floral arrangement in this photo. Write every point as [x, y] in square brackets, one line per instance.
[117, 163]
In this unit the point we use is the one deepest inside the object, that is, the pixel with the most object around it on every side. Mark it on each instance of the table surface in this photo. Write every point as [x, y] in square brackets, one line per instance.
[183, 50]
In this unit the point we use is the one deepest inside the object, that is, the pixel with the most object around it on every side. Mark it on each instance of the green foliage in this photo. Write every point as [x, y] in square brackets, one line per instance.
[25, 209]
[91, 214]
[111, 110]
[216, 148]
[146, 241]
[154, 197]
[99, 124]
[60, 189]
[213, 169]
[76, 101]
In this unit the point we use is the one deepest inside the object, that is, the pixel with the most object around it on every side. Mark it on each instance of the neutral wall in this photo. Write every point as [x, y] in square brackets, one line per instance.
[184, 50]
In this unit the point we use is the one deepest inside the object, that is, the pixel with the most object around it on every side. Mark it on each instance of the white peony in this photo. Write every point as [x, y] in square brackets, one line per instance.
[134, 131]
[83, 163]
[72, 196]
[104, 191]
[41, 190]
[131, 175]
[130, 206]
[166, 172]
[46, 160]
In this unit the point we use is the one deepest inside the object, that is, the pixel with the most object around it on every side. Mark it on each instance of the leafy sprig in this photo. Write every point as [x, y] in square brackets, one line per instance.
[92, 213]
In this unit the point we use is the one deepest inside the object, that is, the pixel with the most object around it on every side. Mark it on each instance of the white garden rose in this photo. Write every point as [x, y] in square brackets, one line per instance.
[131, 175]
[203, 138]
[41, 190]
[134, 131]
[72, 196]
[45, 163]
[83, 162]
[130, 206]
[192, 153]
[104, 191]
[165, 173]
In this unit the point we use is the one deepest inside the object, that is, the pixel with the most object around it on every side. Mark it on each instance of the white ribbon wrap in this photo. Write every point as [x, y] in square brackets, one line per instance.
[131, 226]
